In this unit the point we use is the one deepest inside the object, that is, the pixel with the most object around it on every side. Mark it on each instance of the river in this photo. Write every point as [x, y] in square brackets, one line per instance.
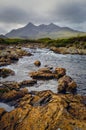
[74, 64]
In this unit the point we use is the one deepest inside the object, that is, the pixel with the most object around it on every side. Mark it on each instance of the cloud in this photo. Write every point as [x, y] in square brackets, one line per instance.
[13, 15]
[72, 12]
[63, 12]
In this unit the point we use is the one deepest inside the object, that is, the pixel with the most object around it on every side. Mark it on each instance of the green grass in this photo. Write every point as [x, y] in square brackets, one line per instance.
[79, 41]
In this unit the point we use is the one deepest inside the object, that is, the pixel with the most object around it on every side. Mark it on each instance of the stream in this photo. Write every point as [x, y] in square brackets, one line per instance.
[74, 64]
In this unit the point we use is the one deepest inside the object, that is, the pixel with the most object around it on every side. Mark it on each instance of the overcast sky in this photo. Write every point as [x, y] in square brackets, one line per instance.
[17, 13]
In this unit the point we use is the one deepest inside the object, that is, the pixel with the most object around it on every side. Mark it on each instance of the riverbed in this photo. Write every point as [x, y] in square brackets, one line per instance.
[74, 64]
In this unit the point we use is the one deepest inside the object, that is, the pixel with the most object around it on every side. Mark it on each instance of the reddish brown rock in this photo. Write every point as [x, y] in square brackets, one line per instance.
[45, 70]
[11, 54]
[66, 84]
[10, 85]
[46, 111]
[47, 73]
[60, 72]
[13, 95]
[28, 83]
[4, 72]
[2, 112]
[37, 63]
[41, 75]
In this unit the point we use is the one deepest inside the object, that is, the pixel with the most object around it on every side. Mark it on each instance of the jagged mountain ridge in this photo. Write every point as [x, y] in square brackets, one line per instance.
[32, 31]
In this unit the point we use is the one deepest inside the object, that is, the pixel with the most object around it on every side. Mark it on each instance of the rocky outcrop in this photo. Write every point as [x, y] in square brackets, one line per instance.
[44, 73]
[4, 72]
[46, 111]
[10, 85]
[10, 91]
[13, 95]
[68, 50]
[66, 84]
[47, 73]
[10, 55]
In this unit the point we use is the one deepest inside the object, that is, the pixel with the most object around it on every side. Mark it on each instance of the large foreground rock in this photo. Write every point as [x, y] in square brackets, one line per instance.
[46, 111]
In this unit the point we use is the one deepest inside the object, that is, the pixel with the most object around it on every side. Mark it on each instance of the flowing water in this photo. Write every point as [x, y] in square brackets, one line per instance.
[74, 64]
[6, 107]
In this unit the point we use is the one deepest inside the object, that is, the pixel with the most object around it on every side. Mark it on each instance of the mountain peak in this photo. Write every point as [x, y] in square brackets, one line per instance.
[30, 24]
[52, 24]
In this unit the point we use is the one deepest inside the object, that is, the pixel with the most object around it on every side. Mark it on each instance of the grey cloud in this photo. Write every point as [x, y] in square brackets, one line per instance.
[13, 15]
[62, 12]
[70, 12]
[44, 11]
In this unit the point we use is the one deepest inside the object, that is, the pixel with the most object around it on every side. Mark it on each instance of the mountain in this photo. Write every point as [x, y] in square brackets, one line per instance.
[2, 36]
[32, 31]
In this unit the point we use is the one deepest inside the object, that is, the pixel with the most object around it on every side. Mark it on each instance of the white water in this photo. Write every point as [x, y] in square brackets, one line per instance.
[6, 107]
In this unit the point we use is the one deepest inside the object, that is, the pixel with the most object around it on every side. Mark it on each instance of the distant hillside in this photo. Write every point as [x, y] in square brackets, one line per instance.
[32, 31]
[2, 36]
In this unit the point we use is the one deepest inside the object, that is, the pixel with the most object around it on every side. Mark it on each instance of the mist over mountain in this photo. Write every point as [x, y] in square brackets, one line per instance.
[32, 31]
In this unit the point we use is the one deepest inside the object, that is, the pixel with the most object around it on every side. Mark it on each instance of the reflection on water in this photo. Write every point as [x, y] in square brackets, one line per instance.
[74, 64]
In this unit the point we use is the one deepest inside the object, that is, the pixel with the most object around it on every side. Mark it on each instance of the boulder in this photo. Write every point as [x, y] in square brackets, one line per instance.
[37, 63]
[60, 72]
[66, 84]
[4, 61]
[27, 83]
[45, 70]
[47, 73]
[55, 49]
[42, 73]
[14, 57]
[4, 72]
[12, 95]
[10, 85]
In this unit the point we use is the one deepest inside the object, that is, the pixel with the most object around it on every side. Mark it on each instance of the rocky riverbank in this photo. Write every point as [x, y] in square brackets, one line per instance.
[39, 110]
[68, 50]
[11, 54]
